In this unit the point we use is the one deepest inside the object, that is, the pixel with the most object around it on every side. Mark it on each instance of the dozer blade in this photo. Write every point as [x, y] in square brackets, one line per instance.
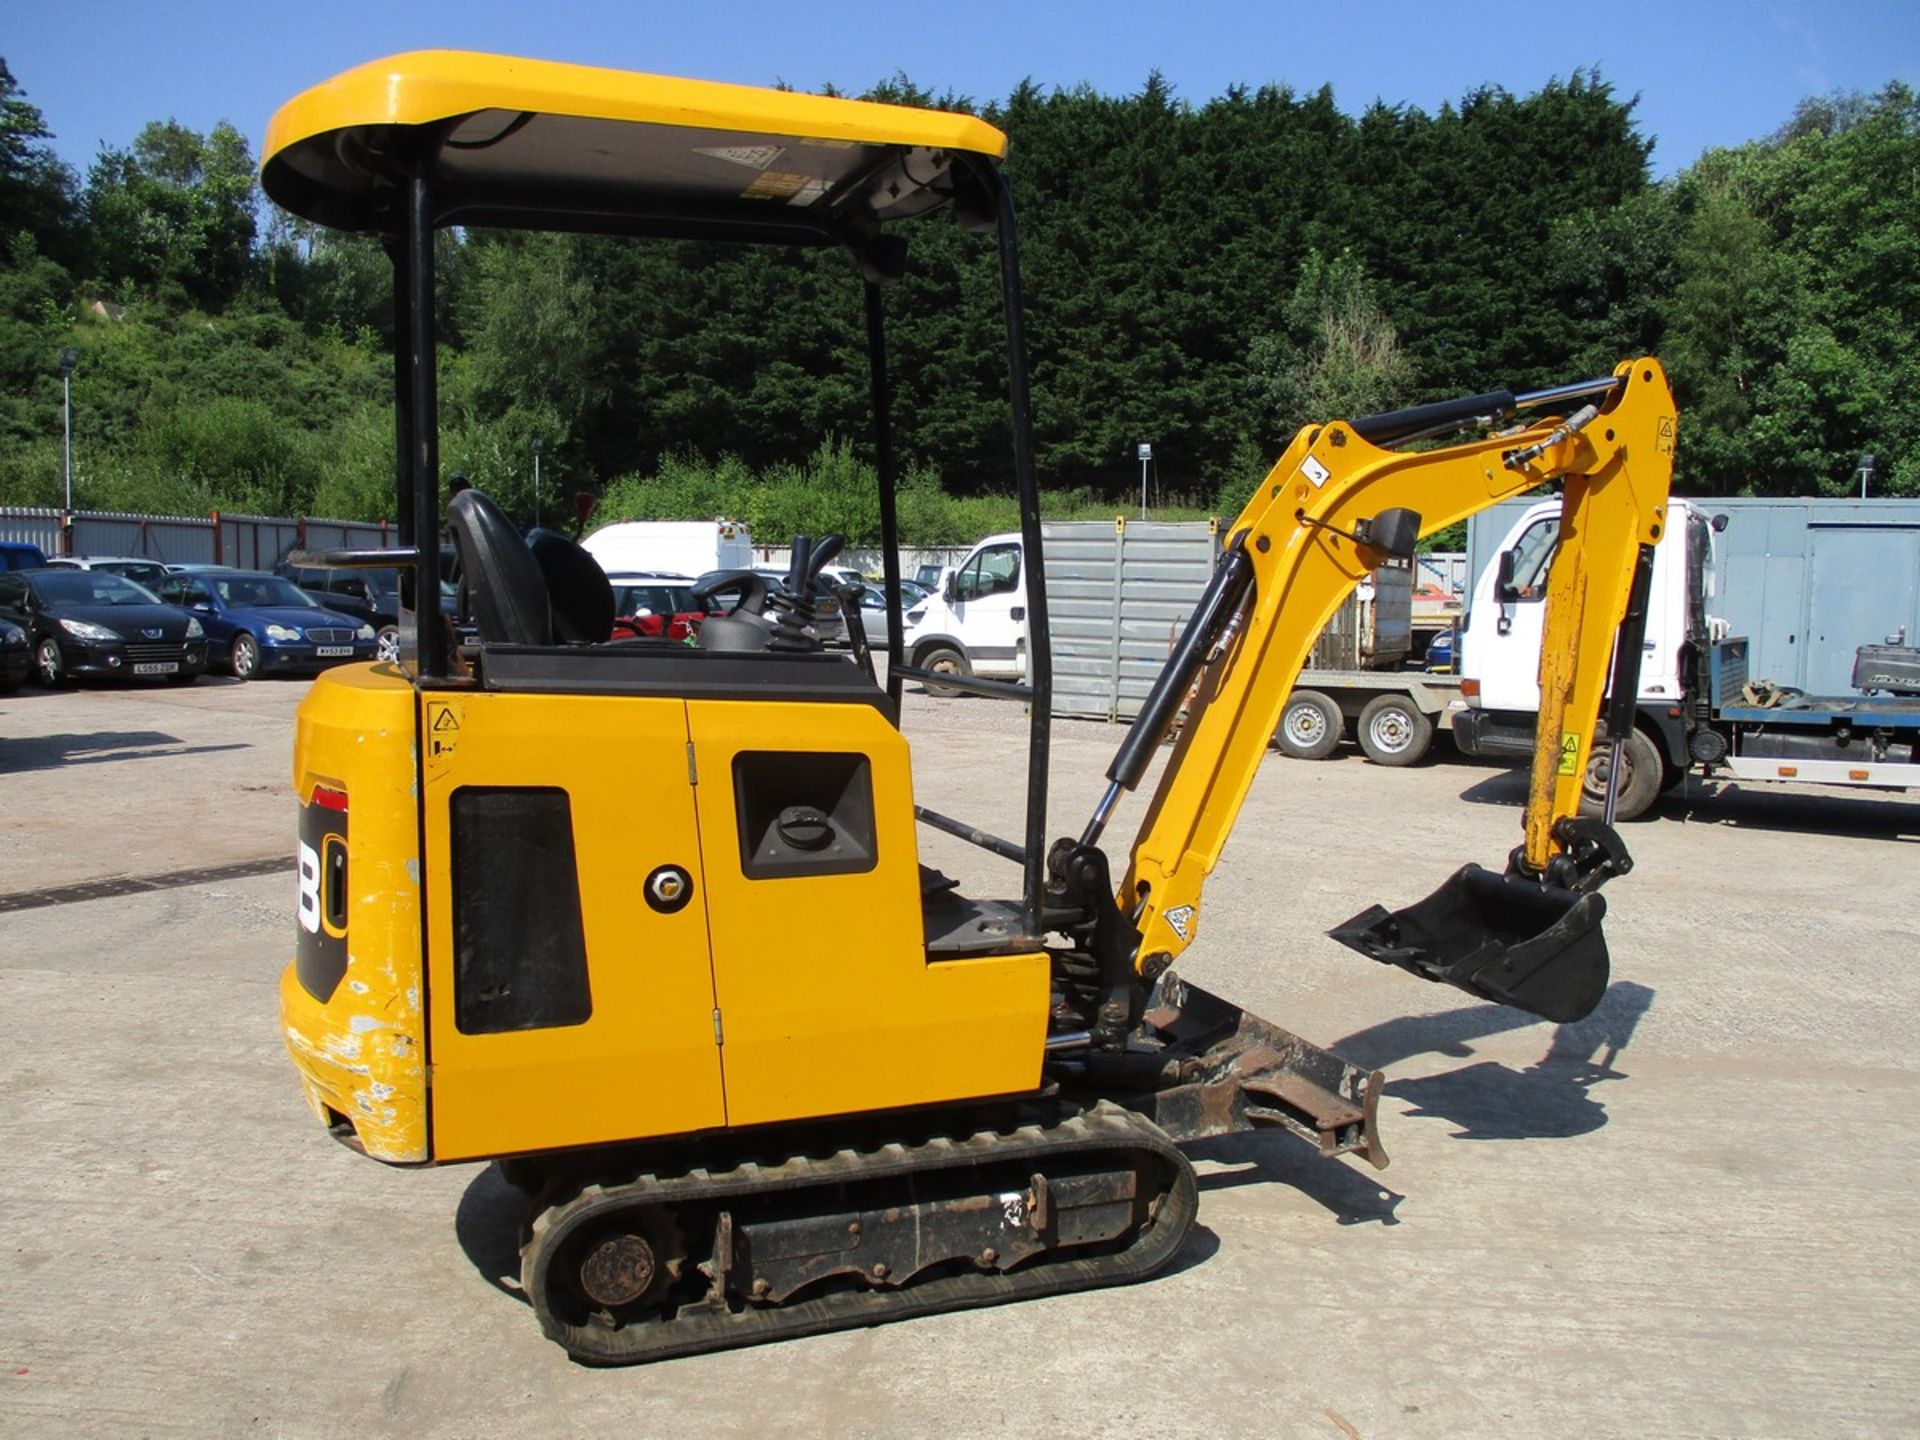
[1502, 937]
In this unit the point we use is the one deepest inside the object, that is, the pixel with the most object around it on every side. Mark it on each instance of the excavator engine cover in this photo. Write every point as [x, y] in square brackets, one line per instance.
[1505, 938]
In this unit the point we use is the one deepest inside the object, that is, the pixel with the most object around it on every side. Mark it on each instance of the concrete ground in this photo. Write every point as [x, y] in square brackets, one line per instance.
[1691, 1214]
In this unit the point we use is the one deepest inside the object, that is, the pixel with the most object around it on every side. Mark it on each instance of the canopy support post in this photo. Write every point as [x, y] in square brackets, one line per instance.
[429, 630]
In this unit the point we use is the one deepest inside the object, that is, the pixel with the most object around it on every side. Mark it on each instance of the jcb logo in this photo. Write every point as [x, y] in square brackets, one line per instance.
[320, 904]
[309, 902]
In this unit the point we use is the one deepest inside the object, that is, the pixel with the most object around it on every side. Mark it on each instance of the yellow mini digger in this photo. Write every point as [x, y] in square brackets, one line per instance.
[647, 924]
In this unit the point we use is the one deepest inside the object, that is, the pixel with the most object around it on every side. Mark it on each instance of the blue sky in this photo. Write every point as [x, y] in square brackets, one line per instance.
[1706, 74]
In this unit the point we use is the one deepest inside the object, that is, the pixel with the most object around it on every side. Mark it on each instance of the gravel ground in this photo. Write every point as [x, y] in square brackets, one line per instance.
[1690, 1214]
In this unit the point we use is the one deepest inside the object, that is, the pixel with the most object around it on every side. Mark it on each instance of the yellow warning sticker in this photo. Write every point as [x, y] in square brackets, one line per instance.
[1569, 752]
[443, 727]
[1663, 437]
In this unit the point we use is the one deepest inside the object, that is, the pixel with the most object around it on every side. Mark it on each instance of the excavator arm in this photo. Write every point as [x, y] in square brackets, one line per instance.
[1339, 502]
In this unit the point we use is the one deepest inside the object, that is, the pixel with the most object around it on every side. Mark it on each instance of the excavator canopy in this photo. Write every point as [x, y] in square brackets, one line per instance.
[539, 144]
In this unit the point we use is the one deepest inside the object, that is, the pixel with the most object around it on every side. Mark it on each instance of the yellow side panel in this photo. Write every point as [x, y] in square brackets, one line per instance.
[828, 1002]
[361, 1052]
[644, 1062]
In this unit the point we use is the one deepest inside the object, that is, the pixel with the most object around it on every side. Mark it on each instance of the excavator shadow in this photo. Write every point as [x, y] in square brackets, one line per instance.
[1352, 1193]
[487, 1225]
[1551, 1099]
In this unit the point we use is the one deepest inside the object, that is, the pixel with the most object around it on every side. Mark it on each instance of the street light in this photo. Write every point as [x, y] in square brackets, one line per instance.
[538, 446]
[1865, 470]
[69, 358]
[1146, 454]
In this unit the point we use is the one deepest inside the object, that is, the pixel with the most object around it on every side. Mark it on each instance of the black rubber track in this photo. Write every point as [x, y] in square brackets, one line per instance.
[694, 1329]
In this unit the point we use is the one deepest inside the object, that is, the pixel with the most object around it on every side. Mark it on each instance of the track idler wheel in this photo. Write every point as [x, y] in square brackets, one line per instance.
[615, 1267]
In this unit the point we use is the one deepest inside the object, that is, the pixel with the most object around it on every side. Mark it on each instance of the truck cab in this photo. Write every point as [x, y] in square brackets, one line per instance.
[1500, 640]
[975, 622]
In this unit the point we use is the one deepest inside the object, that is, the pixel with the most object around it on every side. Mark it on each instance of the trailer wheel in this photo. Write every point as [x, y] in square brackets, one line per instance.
[1394, 731]
[1641, 774]
[1310, 726]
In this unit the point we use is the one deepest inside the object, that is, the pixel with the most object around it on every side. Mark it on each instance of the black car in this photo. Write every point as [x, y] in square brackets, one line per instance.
[93, 623]
[369, 595]
[16, 657]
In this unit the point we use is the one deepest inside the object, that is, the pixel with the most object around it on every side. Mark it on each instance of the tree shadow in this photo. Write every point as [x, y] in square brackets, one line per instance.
[1551, 1099]
[102, 747]
[1351, 1193]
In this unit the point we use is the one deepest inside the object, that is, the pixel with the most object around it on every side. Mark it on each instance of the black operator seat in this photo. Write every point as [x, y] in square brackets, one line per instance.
[578, 590]
[505, 583]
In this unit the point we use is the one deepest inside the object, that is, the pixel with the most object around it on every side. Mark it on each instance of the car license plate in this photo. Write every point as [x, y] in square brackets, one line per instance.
[156, 667]
[327, 652]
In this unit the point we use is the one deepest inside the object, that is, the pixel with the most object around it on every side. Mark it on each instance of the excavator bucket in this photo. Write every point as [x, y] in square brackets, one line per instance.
[1504, 938]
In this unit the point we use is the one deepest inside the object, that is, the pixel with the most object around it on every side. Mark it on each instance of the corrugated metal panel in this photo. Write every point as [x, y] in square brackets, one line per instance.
[170, 539]
[246, 541]
[32, 527]
[1117, 597]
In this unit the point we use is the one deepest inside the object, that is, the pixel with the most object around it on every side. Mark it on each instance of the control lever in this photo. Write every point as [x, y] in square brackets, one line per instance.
[849, 596]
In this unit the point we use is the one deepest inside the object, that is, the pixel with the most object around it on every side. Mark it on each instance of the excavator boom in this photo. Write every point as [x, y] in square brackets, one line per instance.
[1339, 502]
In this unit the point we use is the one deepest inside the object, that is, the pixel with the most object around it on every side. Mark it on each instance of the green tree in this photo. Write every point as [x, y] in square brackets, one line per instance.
[36, 188]
[174, 214]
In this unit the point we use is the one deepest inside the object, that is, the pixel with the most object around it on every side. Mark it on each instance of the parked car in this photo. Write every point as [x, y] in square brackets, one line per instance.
[93, 623]
[261, 624]
[369, 595]
[16, 657]
[655, 606]
[20, 555]
[928, 576]
[129, 567]
[873, 608]
[195, 567]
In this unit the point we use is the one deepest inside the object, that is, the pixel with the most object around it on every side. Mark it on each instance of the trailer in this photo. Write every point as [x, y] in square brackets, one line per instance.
[1367, 669]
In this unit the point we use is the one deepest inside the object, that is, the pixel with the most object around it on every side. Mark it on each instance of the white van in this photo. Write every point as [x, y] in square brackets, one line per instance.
[671, 547]
[975, 623]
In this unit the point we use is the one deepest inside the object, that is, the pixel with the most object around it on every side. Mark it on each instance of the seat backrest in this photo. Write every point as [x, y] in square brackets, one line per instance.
[505, 584]
[578, 590]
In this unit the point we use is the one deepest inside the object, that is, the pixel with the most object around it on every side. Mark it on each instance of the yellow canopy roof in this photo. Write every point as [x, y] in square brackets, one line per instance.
[541, 144]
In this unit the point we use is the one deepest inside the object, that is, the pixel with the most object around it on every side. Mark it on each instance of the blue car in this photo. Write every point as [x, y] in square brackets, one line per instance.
[260, 624]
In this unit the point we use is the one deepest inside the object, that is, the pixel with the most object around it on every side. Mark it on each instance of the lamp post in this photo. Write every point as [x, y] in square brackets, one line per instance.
[538, 446]
[1146, 454]
[1867, 463]
[69, 358]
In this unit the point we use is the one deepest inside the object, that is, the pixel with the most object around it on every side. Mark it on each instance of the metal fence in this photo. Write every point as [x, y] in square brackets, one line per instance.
[247, 542]
[1118, 593]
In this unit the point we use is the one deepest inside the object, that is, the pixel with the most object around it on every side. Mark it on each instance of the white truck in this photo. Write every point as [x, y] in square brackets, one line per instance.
[671, 547]
[1698, 706]
[975, 622]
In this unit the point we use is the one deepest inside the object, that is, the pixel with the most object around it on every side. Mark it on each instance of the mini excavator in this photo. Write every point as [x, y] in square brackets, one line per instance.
[646, 924]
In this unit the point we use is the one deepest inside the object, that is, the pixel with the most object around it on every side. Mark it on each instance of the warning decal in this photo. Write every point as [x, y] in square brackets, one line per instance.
[1181, 919]
[1663, 437]
[443, 727]
[1569, 752]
